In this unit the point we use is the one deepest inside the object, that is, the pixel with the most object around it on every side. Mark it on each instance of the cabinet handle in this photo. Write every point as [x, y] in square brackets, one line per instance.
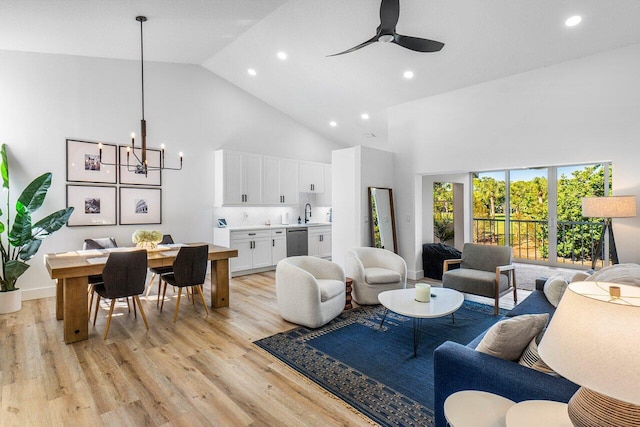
[311, 187]
[273, 242]
[252, 234]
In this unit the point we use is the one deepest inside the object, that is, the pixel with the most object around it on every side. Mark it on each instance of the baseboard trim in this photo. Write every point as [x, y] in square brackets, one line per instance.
[37, 293]
[415, 275]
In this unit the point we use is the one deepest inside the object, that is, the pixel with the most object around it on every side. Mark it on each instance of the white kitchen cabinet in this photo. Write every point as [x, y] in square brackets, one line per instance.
[280, 181]
[278, 245]
[238, 178]
[254, 249]
[319, 239]
[311, 177]
[324, 199]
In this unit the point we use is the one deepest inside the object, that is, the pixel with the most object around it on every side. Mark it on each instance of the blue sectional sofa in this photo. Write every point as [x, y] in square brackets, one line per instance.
[458, 367]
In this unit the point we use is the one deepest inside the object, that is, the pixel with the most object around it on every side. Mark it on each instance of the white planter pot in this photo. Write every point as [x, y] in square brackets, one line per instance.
[10, 301]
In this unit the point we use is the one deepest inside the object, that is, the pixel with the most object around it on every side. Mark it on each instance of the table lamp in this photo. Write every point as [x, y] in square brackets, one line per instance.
[607, 208]
[593, 340]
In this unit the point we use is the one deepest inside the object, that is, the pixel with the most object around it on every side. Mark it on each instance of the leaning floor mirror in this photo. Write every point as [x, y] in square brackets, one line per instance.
[382, 220]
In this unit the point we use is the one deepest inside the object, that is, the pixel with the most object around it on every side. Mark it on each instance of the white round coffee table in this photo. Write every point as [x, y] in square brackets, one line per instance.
[402, 301]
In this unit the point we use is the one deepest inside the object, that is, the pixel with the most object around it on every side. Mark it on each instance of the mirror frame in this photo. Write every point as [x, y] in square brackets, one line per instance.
[393, 219]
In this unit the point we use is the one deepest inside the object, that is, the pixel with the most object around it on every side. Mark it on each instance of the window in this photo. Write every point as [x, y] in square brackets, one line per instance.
[538, 211]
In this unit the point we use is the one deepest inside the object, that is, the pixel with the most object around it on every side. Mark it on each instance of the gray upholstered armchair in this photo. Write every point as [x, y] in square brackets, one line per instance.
[484, 270]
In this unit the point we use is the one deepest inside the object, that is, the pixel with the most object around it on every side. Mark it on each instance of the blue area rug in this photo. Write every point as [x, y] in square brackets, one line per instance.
[374, 369]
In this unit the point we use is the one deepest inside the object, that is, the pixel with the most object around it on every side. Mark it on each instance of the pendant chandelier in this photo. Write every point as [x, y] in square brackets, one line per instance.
[140, 165]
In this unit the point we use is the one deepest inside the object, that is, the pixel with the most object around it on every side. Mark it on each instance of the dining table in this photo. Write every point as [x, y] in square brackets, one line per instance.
[71, 271]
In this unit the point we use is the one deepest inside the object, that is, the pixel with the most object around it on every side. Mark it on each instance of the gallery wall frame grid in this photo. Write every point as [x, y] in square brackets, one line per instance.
[93, 205]
[83, 162]
[140, 205]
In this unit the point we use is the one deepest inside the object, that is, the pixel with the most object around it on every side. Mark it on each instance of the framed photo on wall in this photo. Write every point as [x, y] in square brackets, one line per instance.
[83, 162]
[93, 205]
[130, 177]
[140, 205]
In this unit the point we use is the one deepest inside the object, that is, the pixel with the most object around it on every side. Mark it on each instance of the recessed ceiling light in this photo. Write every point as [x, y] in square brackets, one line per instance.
[282, 55]
[252, 72]
[573, 21]
[364, 116]
[408, 74]
[333, 124]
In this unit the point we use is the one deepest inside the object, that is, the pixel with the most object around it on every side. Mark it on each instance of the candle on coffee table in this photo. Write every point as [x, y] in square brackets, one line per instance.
[423, 292]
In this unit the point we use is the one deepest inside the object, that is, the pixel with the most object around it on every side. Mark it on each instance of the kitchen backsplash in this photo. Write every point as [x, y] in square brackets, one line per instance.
[258, 215]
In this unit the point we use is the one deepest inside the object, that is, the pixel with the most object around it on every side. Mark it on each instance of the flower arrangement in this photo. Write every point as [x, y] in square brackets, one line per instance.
[146, 238]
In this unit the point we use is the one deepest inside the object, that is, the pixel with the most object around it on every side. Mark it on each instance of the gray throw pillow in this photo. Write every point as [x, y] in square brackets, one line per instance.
[508, 338]
[554, 288]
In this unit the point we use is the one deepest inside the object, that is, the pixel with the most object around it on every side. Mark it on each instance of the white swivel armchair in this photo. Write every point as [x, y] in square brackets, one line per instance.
[310, 291]
[374, 270]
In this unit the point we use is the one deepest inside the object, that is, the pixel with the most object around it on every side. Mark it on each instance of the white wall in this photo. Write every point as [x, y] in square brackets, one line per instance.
[354, 170]
[48, 98]
[580, 111]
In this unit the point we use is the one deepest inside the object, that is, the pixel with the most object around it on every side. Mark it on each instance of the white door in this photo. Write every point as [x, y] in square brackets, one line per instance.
[313, 244]
[233, 177]
[324, 245]
[324, 199]
[243, 260]
[271, 193]
[252, 178]
[289, 181]
[261, 252]
[278, 249]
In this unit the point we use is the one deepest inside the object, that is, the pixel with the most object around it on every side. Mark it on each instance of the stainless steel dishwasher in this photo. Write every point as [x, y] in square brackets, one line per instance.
[297, 243]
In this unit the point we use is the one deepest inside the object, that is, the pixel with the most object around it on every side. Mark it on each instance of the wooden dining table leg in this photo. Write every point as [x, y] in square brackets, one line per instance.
[76, 317]
[59, 300]
[220, 283]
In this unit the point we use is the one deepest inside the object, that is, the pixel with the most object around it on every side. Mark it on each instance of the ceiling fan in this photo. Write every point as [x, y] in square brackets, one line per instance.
[386, 32]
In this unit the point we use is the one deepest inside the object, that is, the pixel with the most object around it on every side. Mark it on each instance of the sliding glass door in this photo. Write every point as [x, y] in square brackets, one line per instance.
[538, 211]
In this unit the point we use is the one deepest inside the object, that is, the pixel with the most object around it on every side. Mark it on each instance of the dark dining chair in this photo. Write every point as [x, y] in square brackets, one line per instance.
[124, 276]
[159, 271]
[189, 269]
[102, 243]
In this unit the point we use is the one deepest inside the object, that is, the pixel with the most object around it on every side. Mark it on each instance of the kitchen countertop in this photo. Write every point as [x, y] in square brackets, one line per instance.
[269, 227]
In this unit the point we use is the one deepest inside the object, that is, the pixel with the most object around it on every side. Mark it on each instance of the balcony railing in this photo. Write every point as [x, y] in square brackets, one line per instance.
[576, 240]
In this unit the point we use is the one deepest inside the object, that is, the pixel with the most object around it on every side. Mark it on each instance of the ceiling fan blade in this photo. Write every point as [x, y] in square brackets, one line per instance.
[361, 45]
[417, 44]
[389, 14]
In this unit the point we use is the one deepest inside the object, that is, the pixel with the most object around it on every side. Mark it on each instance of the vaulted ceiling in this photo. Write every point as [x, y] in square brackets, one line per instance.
[484, 40]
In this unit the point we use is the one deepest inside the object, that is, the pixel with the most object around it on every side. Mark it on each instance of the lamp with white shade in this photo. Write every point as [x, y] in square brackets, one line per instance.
[593, 340]
[607, 208]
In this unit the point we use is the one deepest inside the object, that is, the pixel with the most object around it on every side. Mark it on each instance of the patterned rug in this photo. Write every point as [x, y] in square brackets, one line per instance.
[373, 368]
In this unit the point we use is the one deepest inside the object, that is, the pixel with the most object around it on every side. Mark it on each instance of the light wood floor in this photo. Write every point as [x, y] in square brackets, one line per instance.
[198, 371]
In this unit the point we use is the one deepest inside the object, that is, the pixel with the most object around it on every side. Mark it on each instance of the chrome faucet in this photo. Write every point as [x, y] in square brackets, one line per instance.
[307, 209]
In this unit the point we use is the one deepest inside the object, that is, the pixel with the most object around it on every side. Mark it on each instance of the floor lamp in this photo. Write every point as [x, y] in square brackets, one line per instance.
[608, 208]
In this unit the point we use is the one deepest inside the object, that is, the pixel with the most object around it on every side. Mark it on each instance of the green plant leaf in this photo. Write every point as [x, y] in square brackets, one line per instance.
[4, 169]
[51, 223]
[1, 226]
[12, 270]
[29, 250]
[33, 196]
[20, 233]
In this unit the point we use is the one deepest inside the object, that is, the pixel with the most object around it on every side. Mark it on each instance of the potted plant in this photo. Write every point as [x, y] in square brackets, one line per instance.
[20, 240]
